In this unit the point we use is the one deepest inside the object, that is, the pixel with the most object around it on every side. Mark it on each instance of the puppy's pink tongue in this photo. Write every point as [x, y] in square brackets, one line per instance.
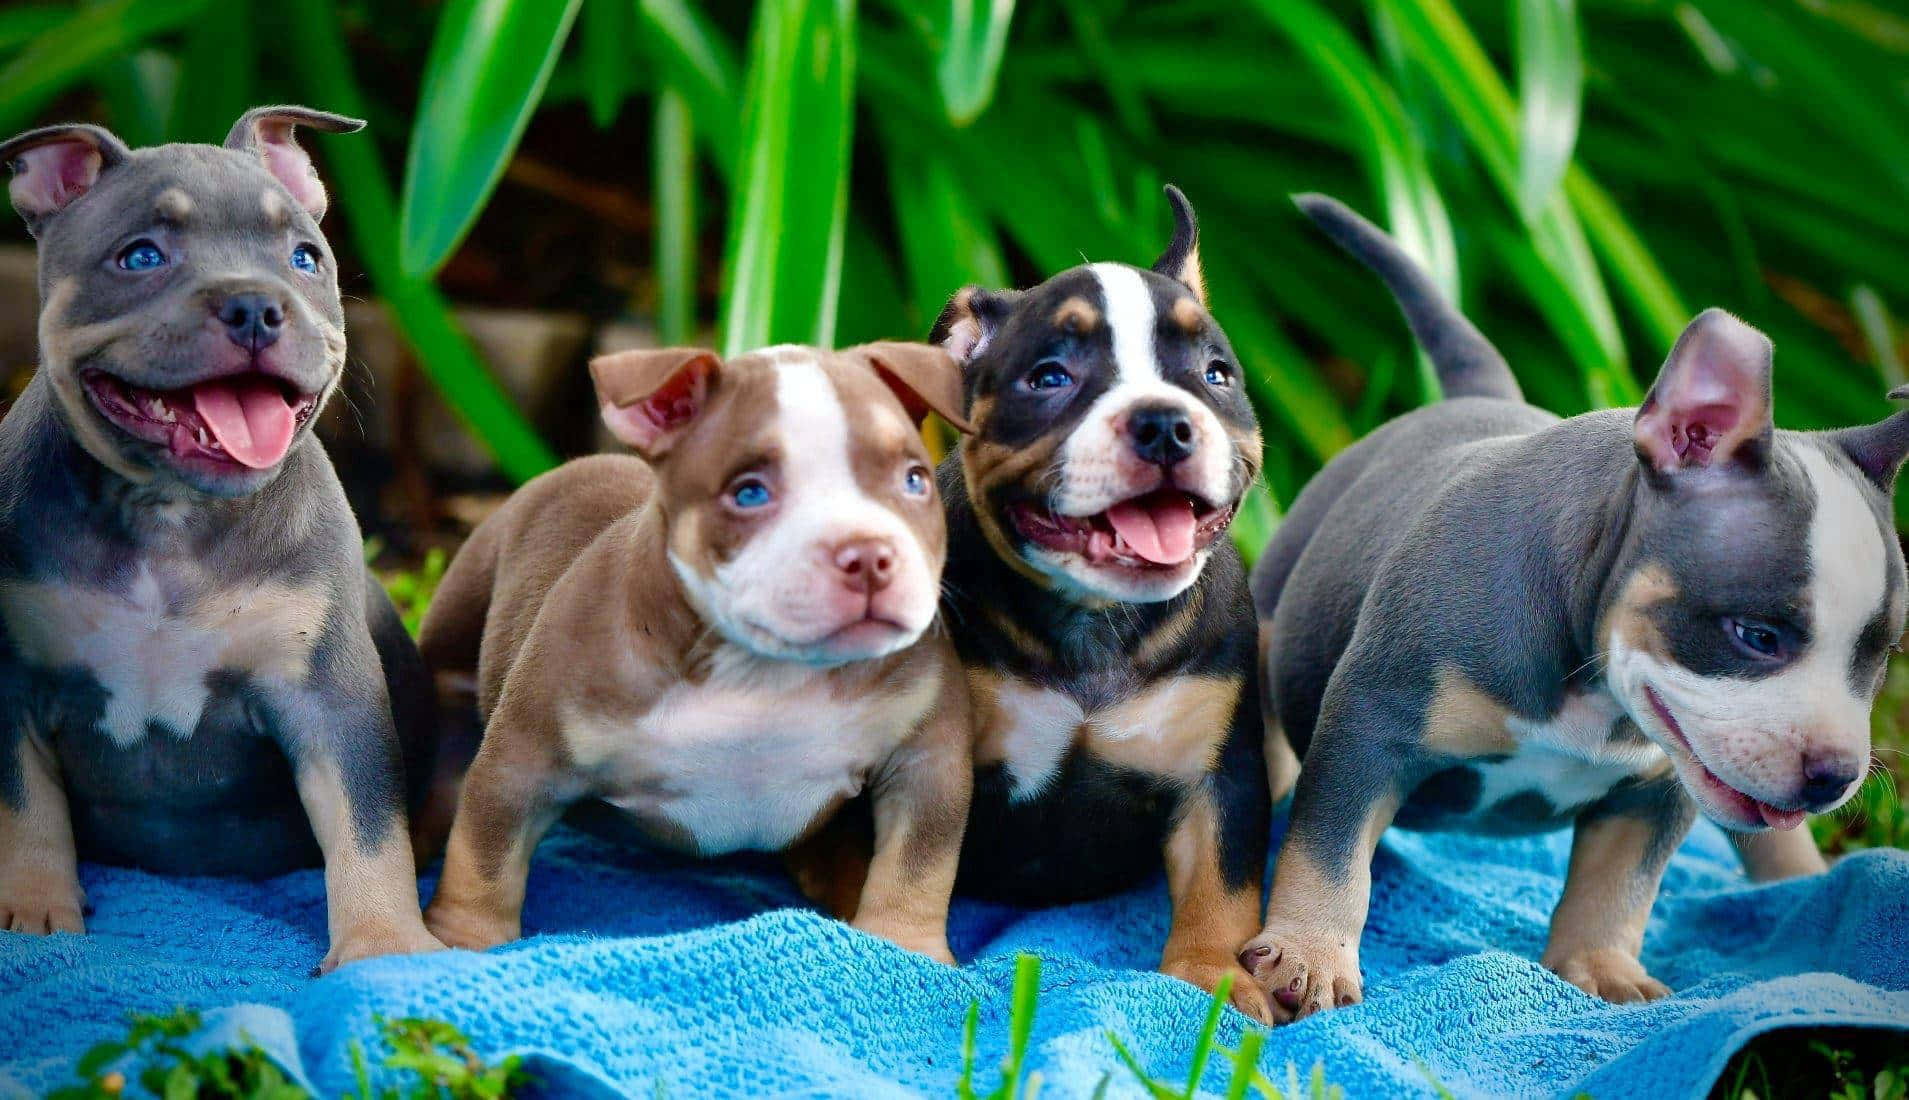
[1779, 819]
[249, 416]
[1159, 526]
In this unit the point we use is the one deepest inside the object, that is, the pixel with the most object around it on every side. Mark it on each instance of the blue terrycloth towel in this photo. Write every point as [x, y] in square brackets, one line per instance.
[711, 979]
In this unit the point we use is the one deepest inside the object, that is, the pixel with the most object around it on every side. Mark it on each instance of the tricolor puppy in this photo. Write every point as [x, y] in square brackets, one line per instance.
[197, 674]
[1099, 609]
[1482, 617]
[726, 639]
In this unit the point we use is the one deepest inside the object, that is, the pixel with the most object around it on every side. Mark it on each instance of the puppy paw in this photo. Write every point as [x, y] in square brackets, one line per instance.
[470, 930]
[1207, 974]
[1616, 976]
[371, 941]
[1303, 972]
[41, 904]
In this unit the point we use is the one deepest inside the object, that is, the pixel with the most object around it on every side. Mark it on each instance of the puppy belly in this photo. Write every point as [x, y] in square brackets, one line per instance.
[1533, 791]
[217, 800]
[1097, 829]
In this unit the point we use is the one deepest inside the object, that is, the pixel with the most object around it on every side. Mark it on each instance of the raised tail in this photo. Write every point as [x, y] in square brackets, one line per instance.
[1467, 364]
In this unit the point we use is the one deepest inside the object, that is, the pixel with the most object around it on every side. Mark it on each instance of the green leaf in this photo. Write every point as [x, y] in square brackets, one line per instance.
[487, 68]
[946, 243]
[424, 319]
[606, 37]
[790, 205]
[22, 23]
[216, 72]
[66, 52]
[1027, 993]
[974, 37]
[1245, 1064]
[1550, 94]
[674, 167]
[1203, 1046]
[698, 63]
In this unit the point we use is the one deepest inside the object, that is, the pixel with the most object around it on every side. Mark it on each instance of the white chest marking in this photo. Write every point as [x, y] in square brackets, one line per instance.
[1035, 729]
[1571, 759]
[744, 766]
[151, 654]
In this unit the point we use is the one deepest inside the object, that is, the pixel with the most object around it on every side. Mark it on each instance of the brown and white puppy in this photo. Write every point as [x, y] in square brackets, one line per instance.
[1099, 609]
[725, 639]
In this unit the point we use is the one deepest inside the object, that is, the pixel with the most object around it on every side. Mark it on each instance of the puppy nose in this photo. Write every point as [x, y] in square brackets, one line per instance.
[1826, 779]
[252, 321]
[865, 565]
[1161, 434]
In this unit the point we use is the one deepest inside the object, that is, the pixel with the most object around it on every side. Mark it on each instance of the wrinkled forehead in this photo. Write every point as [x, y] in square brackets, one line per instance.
[202, 190]
[803, 409]
[1134, 317]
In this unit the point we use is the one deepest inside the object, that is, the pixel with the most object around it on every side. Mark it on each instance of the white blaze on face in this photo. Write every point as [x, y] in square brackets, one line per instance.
[1755, 733]
[779, 596]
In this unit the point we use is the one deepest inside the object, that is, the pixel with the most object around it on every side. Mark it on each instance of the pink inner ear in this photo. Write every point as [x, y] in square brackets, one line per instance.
[645, 423]
[965, 340]
[911, 402]
[290, 164]
[52, 175]
[1712, 398]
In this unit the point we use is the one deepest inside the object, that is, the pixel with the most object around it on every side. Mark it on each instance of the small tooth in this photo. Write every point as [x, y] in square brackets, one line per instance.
[200, 433]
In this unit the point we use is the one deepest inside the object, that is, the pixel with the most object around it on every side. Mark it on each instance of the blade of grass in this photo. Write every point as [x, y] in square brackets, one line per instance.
[1550, 94]
[1245, 1065]
[64, 53]
[321, 65]
[487, 68]
[1027, 993]
[790, 204]
[605, 36]
[945, 242]
[1879, 332]
[699, 64]
[974, 37]
[1203, 1046]
[674, 167]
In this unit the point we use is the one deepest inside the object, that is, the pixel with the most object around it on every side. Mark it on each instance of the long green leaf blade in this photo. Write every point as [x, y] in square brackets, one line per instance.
[605, 37]
[1550, 95]
[790, 208]
[974, 40]
[64, 53]
[696, 61]
[674, 169]
[488, 65]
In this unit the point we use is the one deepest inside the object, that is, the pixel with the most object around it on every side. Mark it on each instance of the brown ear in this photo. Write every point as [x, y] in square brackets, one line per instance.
[267, 132]
[925, 378]
[55, 165]
[648, 397]
[1181, 260]
[1710, 405]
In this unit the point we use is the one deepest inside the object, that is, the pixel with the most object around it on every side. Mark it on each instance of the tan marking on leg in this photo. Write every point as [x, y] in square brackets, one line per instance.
[39, 880]
[1597, 930]
[371, 894]
[1077, 315]
[1187, 314]
[173, 205]
[1776, 855]
[920, 802]
[1464, 722]
[1307, 957]
[1210, 919]
[1173, 727]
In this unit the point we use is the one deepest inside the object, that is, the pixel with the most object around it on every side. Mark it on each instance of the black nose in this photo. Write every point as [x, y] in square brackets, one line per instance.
[1161, 434]
[1824, 781]
[252, 321]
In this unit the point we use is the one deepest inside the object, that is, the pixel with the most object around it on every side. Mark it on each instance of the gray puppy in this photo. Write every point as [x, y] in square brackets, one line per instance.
[1485, 618]
[197, 674]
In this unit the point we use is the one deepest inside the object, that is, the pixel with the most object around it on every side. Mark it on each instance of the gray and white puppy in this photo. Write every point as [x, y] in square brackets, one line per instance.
[196, 673]
[1485, 618]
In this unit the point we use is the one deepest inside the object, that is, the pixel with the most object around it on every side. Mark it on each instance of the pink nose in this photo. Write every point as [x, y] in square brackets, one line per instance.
[865, 565]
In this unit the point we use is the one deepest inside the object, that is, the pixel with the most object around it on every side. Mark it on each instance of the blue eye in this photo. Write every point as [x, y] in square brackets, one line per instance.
[305, 259]
[750, 492]
[1048, 374]
[1758, 639]
[142, 256]
[1218, 373]
[916, 482]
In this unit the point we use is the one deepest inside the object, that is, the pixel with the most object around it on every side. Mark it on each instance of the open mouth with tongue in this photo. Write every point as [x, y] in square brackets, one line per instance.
[242, 420]
[1729, 805]
[1160, 530]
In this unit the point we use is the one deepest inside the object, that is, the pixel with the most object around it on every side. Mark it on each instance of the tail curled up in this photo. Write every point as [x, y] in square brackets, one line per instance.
[1467, 364]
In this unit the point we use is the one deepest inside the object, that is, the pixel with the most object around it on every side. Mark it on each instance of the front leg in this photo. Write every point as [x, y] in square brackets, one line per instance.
[39, 881]
[1777, 854]
[1306, 959]
[346, 762]
[920, 802]
[1215, 851]
[1618, 854]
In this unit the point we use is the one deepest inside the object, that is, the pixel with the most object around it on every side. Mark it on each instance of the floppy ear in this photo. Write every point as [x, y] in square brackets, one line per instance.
[1878, 449]
[648, 397]
[267, 132]
[924, 377]
[55, 165]
[969, 321]
[1181, 260]
[1710, 405]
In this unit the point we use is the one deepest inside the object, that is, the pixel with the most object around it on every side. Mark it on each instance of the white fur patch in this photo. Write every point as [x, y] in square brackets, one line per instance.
[1132, 320]
[750, 757]
[1038, 727]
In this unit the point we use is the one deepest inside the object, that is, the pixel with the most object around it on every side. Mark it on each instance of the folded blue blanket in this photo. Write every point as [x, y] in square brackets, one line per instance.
[710, 979]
